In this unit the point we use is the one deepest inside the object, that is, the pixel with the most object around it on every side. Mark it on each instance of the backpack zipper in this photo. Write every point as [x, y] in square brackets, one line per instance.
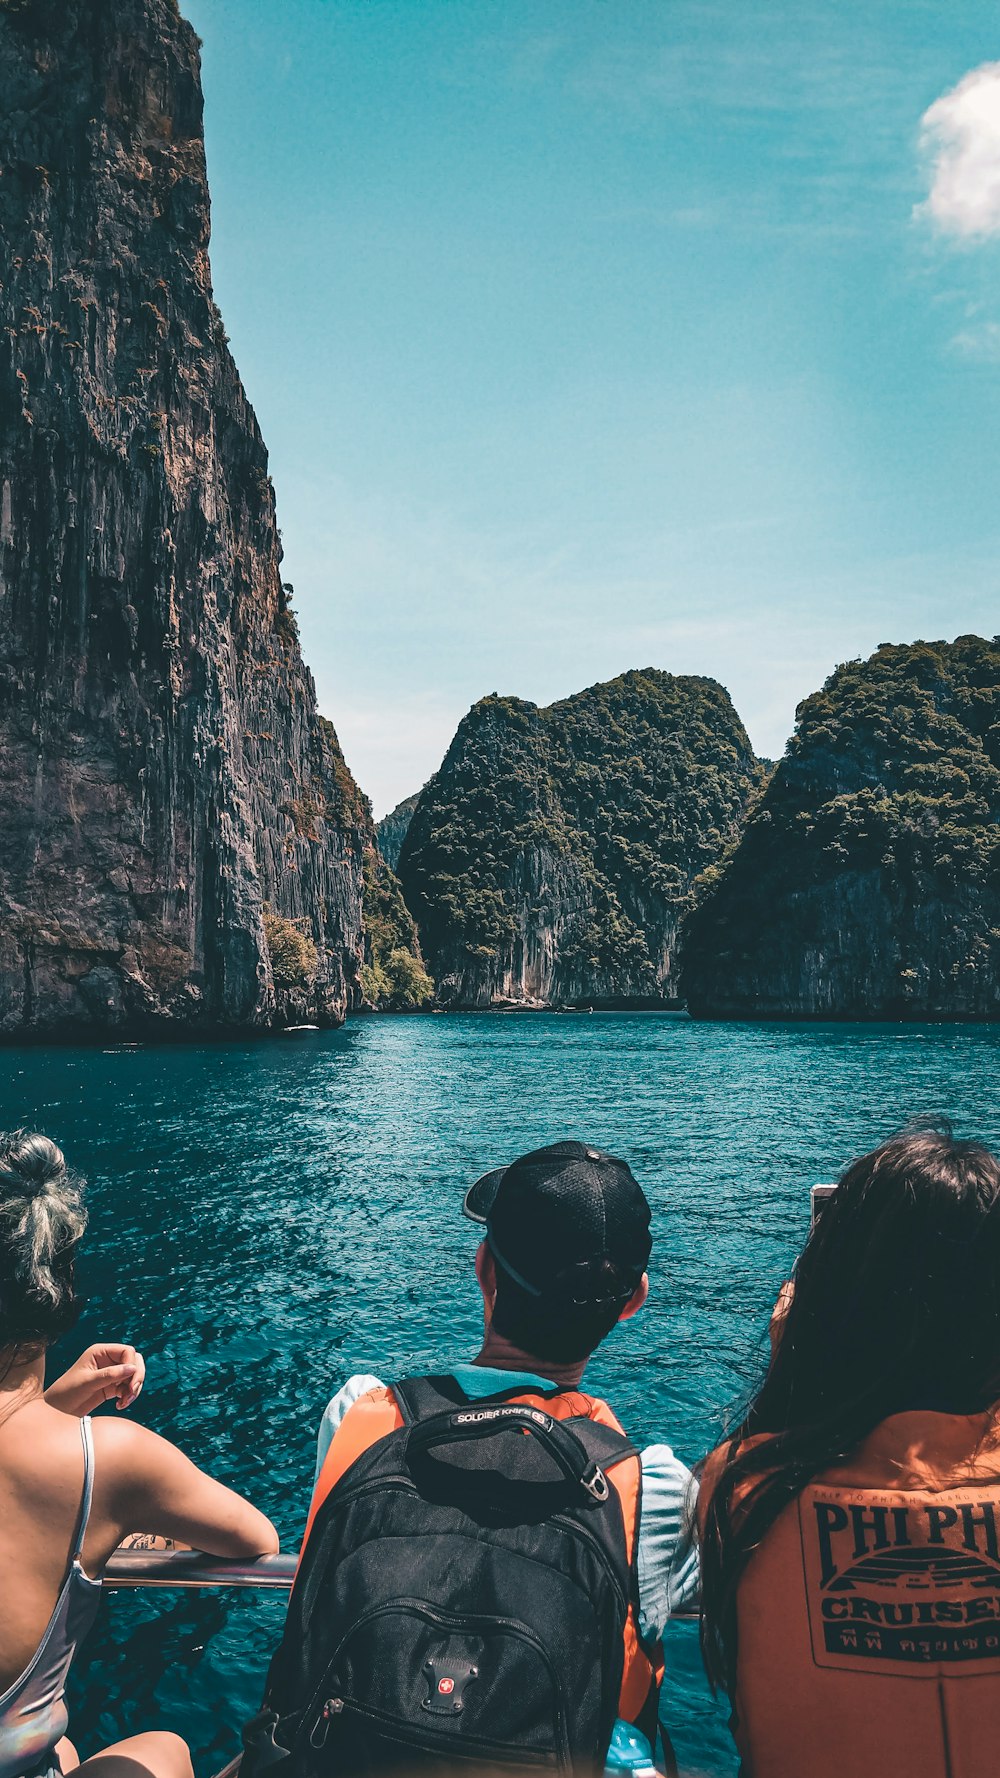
[321, 1727]
[472, 1748]
[443, 1620]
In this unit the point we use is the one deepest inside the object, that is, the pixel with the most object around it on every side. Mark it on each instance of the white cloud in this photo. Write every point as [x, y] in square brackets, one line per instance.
[961, 134]
[980, 342]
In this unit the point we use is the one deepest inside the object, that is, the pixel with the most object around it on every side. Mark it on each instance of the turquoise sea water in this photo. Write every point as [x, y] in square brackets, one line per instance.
[266, 1219]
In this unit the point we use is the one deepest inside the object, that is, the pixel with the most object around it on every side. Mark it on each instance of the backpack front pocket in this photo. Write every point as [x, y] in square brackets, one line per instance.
[411, 1676]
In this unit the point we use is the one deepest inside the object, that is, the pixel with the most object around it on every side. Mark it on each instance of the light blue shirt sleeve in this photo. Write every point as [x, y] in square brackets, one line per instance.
[669, 1575]
[335, 1410]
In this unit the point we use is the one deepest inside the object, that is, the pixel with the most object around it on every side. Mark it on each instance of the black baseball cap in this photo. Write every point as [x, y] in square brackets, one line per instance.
[555, 1217]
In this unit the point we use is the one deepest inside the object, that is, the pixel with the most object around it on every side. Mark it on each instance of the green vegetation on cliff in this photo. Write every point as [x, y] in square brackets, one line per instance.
[393, 977]
[291, 954]
[552, 856]
[867, 882]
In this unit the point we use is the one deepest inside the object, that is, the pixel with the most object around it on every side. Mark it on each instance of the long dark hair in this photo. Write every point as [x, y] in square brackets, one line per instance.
[896, 1306]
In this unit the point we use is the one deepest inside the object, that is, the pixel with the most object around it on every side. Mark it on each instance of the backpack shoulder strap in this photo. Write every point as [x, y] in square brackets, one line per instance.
[420, 1397]
[605, 1444]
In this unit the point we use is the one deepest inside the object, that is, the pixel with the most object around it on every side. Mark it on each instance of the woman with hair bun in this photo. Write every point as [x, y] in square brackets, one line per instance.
[850, 1526]
[70, 1489]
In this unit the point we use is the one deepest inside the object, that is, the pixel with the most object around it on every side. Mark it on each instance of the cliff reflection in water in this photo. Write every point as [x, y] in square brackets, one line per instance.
[267, 1219]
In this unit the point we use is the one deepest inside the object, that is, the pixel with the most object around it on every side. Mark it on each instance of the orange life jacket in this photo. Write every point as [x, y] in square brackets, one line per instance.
[869, 1618]
[376, 1414]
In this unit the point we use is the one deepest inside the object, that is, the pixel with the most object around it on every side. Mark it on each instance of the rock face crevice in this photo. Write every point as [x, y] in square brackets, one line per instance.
[867, 882]
[164, 775]
[552, 858]
[391, 830]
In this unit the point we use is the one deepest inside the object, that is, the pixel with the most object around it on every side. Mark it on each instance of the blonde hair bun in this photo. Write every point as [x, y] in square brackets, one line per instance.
[42, 1218]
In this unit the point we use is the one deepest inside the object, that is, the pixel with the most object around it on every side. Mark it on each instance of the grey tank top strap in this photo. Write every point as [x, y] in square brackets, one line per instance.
[33, 1710]
[87, 1497]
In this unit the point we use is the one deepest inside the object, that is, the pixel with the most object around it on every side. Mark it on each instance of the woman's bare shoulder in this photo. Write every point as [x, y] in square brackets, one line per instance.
[38, 1441]
[129, 1455]
[125, 1451]
[134, 1469]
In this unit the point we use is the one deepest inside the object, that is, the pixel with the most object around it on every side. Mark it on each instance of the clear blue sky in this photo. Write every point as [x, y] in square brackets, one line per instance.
[597, 334]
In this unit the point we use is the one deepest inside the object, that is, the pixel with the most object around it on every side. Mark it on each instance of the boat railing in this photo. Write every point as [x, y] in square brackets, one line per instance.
[189, 1568]
[129, 1568]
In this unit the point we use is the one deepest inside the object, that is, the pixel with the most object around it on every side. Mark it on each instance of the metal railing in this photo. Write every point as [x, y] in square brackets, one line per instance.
[189, 1568]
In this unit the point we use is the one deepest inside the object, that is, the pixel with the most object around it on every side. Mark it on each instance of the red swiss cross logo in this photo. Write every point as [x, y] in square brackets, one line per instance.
[445, 1686]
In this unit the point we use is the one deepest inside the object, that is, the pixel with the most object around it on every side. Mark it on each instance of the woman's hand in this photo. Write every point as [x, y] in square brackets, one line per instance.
[102, 1373]
[779, 1314]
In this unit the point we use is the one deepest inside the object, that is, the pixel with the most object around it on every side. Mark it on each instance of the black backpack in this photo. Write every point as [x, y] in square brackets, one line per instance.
[462, 1598]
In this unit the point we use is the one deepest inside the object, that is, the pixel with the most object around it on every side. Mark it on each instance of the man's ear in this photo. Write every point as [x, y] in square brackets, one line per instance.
[636, 1300]
[486, 1272]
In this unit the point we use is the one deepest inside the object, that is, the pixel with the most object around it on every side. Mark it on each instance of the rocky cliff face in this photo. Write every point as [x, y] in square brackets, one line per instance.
[867, 883]
[551, 859]
[391, 830]
[164, 777]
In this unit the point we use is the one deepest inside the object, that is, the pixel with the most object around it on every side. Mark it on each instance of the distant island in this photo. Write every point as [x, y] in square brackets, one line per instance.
[857, 879]
[391, 830]
[552, 858]
[866, 884]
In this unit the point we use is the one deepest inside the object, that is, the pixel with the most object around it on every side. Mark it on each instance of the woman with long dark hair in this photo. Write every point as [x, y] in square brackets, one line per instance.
[850, 1525]
[70, 1489]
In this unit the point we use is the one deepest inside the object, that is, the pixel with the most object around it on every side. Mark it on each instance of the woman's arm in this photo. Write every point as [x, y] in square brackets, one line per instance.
[153, 1488]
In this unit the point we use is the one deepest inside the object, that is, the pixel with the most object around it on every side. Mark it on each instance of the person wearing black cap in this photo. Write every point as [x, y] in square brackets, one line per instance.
[564, 1255]
[566, 1239]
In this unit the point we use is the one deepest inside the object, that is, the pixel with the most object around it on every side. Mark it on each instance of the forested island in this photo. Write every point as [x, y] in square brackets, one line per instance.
[552, 857]
[859, 879]
[866, 884]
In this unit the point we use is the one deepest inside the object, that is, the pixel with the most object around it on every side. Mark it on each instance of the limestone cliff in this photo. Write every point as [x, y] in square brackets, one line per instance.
[550, 860]
[391, 830]
[165, 781]
[867, 882]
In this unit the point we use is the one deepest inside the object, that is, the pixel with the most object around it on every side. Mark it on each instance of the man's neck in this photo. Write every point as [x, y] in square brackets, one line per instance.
[499, 1354]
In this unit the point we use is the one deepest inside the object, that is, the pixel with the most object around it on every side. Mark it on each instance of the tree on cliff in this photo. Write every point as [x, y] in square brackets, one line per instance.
[393, 978]
[867, 882]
